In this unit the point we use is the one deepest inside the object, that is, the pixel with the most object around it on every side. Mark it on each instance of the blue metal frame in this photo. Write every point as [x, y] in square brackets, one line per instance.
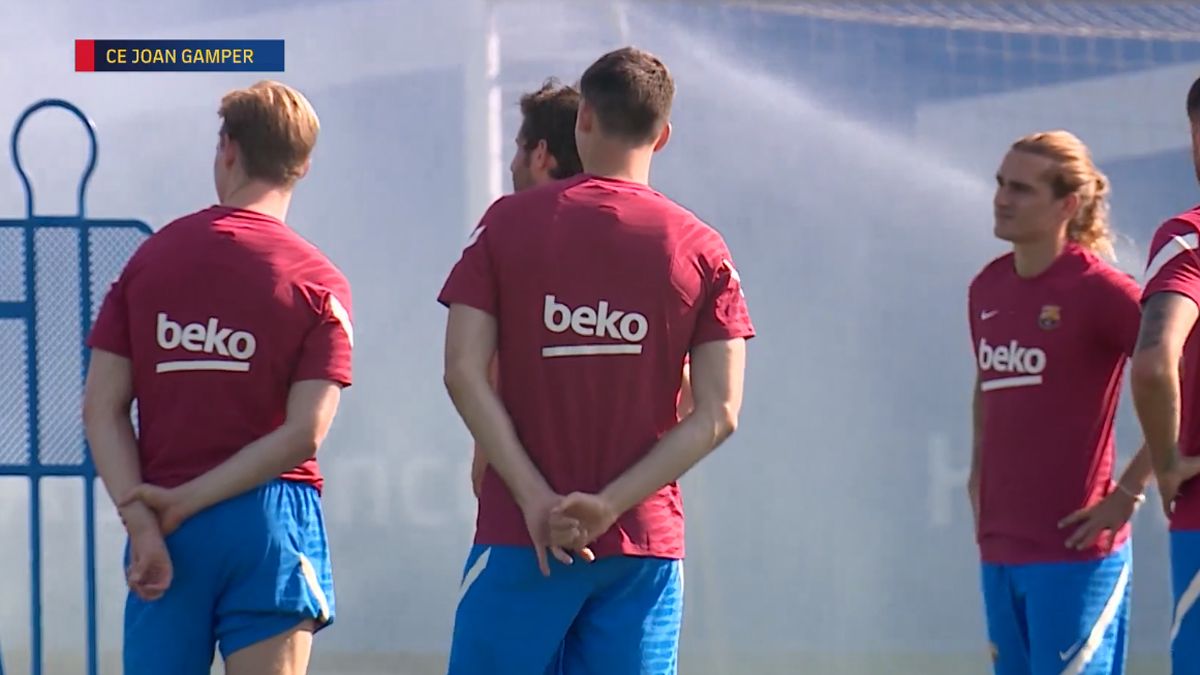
[27, 310]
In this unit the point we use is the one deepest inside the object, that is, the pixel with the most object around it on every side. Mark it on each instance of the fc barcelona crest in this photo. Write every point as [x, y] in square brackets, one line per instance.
[1050, 317]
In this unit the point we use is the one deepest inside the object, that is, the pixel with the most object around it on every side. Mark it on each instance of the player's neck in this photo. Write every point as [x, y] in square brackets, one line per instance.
[1033, 258]
[621, 165]
[260, 198]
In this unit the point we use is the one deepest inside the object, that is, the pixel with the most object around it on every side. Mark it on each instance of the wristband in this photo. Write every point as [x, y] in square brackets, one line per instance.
[1139, 498]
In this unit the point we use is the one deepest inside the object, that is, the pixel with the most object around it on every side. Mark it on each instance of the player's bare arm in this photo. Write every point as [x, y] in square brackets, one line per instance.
[470, 348]
[478, 459]
[1110, 514]
[107, 400]
[1137, 475]
[685, 391]
[1167, 320]
[717, 375]
[311, 407]
[478, 469]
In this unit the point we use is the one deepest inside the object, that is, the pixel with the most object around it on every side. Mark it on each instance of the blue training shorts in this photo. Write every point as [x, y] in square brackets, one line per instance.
[1052, 618]
[615, 616]
[1185, 581]
[245, 570]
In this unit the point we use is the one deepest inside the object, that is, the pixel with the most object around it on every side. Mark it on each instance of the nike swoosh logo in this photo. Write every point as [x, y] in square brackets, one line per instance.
[984, 316]
[1070, 652]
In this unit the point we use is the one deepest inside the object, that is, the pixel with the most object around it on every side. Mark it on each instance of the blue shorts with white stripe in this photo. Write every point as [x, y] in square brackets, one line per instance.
[246, 569]
[1185, 581]
[619, 615]
[1059, 618]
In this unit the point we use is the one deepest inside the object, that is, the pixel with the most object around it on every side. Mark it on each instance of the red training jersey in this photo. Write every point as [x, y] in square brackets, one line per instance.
[1050, 353]
[220, 313]
[600, 288]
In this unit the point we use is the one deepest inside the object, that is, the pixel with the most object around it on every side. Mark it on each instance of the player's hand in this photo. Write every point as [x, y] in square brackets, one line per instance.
[478, 469]
[169, 504]
[150, 571]
[1107, 515]
[1170, 482]
[537, 520]
[580, 518]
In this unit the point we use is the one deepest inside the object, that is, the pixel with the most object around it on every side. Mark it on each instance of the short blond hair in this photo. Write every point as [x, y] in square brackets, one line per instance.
[1075, 172]
[275, 128]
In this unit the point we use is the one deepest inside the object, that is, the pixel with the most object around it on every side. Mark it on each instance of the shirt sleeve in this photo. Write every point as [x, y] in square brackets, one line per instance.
[472, 281]
[1119, 313]
[723, 312]
[110, 332]
[327, 351]
[1173, 266]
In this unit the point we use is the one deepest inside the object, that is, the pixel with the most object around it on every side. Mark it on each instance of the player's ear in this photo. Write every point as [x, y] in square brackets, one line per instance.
[1070, 206]
[228, 151]
[663, 137]
[540, 155]
[304, 169]
[585, 119]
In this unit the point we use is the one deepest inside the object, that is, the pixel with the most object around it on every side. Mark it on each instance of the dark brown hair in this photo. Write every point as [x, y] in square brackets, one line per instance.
[631, 92]
[548, 114]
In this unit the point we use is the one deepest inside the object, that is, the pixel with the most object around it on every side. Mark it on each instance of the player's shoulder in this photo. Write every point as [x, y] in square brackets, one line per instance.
[186, 223]
[697, 242]
[1103, 276]
[175, 236]
[685, 226]
[1184, 226]
[514, 206]
[310, 263]
[1176, 235]
[994, 270]
[672, 213]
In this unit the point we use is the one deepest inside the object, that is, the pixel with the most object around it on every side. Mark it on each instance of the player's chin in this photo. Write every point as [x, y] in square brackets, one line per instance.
[521, 181]
[1004, 230]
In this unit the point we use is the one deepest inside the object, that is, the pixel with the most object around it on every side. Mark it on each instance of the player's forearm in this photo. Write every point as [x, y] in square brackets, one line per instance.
[484, 414]
[255, 464]
[114, 451]
[115, 455]
[478, 458]
[1155, 384]
[976, 434]
[675, 453]
[1137, 475]
[478, 469]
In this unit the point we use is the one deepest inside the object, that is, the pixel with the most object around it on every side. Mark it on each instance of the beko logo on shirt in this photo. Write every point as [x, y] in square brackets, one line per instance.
[599, 321]
[1023, 365]
[234, 346]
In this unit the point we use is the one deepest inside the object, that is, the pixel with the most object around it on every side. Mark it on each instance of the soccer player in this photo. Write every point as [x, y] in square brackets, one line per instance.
[546, 140]
[233, 334]
[1052, 325]
[1166, 393]
[545, 153]
[595, 288]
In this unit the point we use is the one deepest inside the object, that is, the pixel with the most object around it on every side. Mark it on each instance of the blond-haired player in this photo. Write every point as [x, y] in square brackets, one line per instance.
[1052, 324]
[233, 334]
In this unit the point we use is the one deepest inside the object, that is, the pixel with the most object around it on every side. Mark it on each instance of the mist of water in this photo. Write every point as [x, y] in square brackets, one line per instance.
[832, 527]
